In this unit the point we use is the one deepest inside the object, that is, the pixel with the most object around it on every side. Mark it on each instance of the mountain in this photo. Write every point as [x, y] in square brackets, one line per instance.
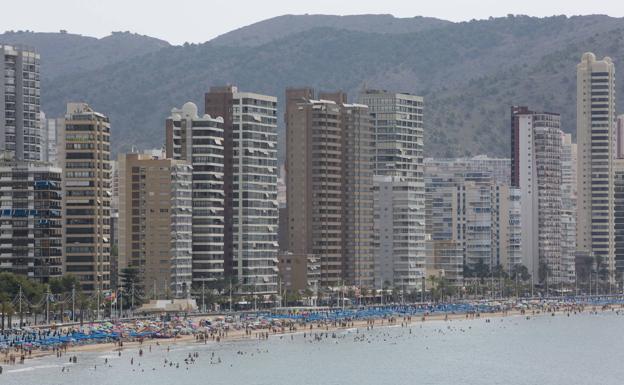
[64, 53]
[469, 72]
[281, 26]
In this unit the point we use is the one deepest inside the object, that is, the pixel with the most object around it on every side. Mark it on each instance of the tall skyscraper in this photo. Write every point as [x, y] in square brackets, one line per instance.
[568, 206]
[85, 160]
[536, 170]
[618, 214]
[595, 119]
[329, 163]
[199, 140]
[250, 183]
[155, 220]
[49, 139]
[30, 219]
[20, 125]
[399, 187]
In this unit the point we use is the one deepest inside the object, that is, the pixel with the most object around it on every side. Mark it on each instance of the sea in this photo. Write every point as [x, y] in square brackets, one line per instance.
[556, 350]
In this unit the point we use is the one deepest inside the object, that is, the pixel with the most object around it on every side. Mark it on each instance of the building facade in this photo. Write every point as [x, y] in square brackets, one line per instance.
[49, 139]
[536, 171]
[595, 120]
[619, 137]
[20, 93]
[399, 259]
[618, 218]
[568, 206]
[199, 141]
[514, 232]
[329, 163]
[471, 205]
[31, 219]
[155, 220]
[85, 160]
[250, 183]
[445, 259]
[398, 166]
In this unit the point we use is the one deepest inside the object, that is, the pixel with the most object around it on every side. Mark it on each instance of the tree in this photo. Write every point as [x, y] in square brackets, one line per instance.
[481, 270]
[131, 283]
[499, 272]
[601, 268]
[64, 284]
[543, 272]
[520, 272]
[292, 298]
[363, 295]
[4, 300]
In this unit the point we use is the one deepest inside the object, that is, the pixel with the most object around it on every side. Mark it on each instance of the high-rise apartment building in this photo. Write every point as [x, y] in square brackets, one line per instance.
[398, 124]
[329, 169]
[250, 184]
[497, 168]
[595, 120]
[473, 223]
[30, 219]
[199, 141]
[49, 138]
[568, 206]
[536, 153]
[399, 187]
[475, 209]
[618, 217]
[20, 92]
[514, 231]
[398, 225]
[85, 160]
[155, 219]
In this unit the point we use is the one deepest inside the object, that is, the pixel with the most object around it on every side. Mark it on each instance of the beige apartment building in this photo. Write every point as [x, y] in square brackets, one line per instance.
[595, 121]
[329, 167]
[155, 218]
[85, 160]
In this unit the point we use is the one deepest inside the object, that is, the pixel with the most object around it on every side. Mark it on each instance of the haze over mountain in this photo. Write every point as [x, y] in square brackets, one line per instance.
[469, 72]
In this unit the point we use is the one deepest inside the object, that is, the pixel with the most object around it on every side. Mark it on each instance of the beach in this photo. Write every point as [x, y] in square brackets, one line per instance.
[252, 331]
[459, 350]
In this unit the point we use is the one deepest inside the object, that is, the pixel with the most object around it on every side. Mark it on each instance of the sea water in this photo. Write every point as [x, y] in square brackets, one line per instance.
[579, 349]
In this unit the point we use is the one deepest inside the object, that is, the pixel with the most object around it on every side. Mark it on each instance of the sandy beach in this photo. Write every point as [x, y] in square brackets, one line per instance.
[231, 335]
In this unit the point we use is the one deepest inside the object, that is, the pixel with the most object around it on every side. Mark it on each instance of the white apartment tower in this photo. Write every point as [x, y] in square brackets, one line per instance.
[199, 141]
[20, 92]
[399, 187]
[251, 209]
[568, 206]
[536, 171]
[595, 120]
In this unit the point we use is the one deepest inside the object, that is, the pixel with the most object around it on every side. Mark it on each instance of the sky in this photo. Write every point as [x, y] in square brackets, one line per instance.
[197, 21]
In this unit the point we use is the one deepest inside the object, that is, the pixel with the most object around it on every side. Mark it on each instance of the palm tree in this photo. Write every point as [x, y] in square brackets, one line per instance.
[3, 308]
[433, 281]
[363, 294]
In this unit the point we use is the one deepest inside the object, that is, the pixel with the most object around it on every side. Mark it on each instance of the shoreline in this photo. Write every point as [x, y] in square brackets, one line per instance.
[238, 335]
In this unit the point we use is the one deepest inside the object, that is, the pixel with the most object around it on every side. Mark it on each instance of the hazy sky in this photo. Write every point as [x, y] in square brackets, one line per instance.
[178, 21]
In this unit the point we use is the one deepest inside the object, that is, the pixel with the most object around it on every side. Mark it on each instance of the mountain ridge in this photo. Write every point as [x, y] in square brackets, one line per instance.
[468, 72]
